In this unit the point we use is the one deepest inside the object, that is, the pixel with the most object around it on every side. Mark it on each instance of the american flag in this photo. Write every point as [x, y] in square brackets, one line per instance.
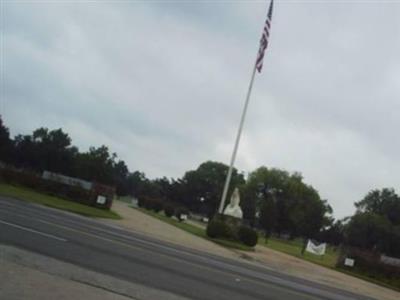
[264, 38]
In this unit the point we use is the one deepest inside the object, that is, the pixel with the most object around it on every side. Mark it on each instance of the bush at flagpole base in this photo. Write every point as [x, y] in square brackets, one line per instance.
[231, 228]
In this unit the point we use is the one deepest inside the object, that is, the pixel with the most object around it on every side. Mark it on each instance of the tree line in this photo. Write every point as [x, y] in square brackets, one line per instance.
[274, 200]
[52, 150]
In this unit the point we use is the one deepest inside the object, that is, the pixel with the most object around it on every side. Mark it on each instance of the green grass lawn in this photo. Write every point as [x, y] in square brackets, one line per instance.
[393, 283]
[35, 197]
[294, 248]
[195, 230]
[328, 260]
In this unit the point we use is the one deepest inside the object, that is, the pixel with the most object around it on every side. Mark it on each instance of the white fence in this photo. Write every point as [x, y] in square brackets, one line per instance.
[67, 180]
[392, 261]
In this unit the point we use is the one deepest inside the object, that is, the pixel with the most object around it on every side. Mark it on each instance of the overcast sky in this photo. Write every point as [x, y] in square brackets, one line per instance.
[162, 83]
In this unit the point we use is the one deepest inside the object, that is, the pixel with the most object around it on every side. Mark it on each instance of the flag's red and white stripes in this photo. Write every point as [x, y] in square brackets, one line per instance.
[264, 38]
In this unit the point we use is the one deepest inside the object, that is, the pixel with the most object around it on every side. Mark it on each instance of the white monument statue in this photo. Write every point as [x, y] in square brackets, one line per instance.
[233, 209]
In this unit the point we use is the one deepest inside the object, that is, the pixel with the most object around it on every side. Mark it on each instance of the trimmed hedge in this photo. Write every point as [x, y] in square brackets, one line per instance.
[247, 236]
[148, 203]
[157, 205]
[141, 201]
[217, 228]
[368, 264]
[52, 188]
[231, 229]
[169, 210]
[181, 211]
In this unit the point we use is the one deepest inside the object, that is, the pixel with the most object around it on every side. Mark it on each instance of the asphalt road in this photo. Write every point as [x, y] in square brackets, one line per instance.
[150, 262]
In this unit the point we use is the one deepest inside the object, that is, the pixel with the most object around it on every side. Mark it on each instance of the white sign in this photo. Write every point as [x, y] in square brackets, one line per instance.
[183, 217]
[101, 199]
[134, 202]
[316, 249]
[349, 262]
[393, 261]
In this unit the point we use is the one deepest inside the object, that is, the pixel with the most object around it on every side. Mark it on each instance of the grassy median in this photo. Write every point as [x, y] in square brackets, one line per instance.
[294, 248]
[29, 195]
[328, 260]
[195, 230]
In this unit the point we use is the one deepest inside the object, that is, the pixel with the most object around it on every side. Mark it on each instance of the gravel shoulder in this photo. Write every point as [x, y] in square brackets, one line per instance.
[137, 221]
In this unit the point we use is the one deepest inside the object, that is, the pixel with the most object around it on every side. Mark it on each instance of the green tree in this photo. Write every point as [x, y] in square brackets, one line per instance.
[140, 186]
[383, 202]
[376, 224]
[120, 174]
[54, 150]
[268, 216]
[135, 183]
[265, 185]
[96, 164]
[45, 150]
[333, 234]
[26, 154]
[6, 145]
[163, 186]
[285, 203]
[206, 184]
[367, 230]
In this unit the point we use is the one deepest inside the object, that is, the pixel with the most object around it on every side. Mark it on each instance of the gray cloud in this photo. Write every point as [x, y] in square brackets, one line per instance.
[163, 85]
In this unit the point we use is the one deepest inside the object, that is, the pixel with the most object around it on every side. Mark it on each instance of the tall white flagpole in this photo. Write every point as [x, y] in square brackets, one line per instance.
[259, 60]
[228, 177]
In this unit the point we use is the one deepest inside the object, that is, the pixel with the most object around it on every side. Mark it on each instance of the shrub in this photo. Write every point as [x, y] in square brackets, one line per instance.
[169, 210]
[157, 205]
[247, 236]
[181, 211]
[52, 188]
[27, 179]
[217, 228]
[148, 203]
[369, 264]
[141, 202]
